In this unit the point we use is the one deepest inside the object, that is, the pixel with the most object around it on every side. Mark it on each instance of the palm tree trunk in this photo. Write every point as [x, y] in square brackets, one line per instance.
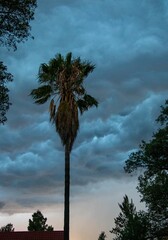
[67, 193]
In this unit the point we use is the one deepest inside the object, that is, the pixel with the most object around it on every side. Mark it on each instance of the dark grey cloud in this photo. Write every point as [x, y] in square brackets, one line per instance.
[2, 204]
[127, 41]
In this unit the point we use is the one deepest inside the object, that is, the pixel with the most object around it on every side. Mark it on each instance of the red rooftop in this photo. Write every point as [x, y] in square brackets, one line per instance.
[32, 235]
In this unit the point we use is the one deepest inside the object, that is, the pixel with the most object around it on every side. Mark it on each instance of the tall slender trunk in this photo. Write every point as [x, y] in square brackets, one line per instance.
[67, 193]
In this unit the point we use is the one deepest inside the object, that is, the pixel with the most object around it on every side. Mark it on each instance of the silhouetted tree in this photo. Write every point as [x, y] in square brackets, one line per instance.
[15, 16]
[102, 236]
[62, 81]
[153, 159]
[130, 225]
[7, 228]
[4, 97]
[38, 223]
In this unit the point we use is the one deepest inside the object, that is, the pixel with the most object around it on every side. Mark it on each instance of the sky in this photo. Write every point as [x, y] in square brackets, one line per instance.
[127, 42]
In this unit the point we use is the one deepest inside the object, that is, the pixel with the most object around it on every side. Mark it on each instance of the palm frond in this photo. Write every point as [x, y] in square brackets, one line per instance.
[87, 68]
[91, 101]
[56, 63]
[82, 105]
[86, 102]
[44, 73]
[41, 94]
[68, 58]
[79, 90]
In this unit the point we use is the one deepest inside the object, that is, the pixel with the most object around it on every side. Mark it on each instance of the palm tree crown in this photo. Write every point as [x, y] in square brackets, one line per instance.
[61, 81]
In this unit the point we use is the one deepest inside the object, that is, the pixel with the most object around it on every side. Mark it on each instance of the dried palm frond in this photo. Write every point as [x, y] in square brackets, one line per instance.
[52, 110]
[67, 122]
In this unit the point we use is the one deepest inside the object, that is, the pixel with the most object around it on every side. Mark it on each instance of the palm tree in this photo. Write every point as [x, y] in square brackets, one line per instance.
[61, 81]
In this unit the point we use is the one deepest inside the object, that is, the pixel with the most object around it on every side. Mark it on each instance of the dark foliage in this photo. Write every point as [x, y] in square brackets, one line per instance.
[15, 16]
[102, 236]
[4, 97]
[130, 224]
[7, 228]
[38, 223]
[153, 159]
